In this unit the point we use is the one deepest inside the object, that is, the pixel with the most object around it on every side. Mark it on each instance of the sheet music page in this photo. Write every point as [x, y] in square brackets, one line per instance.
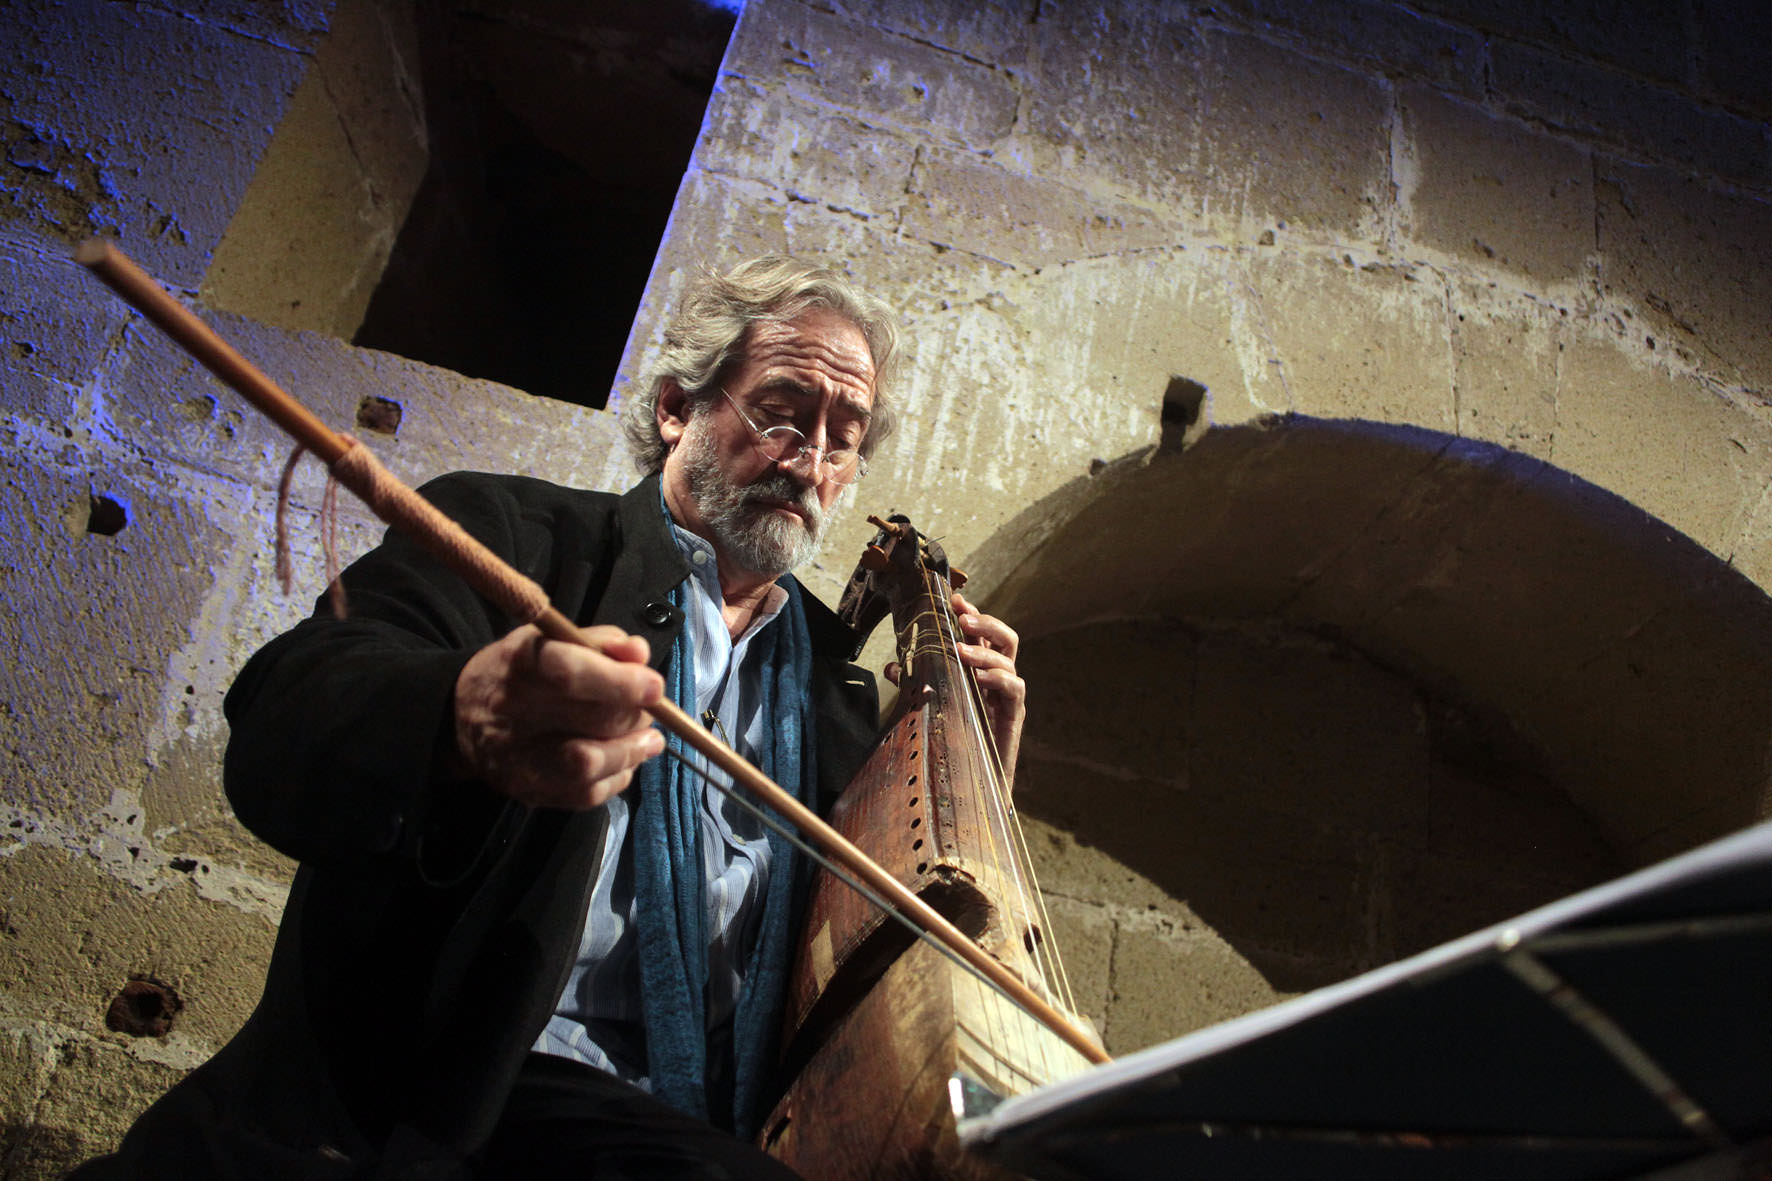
[1748, 847]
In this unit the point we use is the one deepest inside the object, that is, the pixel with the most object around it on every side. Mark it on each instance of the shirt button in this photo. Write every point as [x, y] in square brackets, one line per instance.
[699, 557]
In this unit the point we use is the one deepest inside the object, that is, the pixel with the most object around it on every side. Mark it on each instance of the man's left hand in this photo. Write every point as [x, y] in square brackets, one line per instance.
[990, 652]
[989, 648]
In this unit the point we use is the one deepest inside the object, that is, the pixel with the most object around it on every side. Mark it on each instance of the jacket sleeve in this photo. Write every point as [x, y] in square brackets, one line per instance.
[340, 728]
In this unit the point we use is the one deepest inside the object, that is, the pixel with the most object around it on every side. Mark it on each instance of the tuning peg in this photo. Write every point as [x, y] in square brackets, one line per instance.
[956, 577]
[890, 528]
[874, 558]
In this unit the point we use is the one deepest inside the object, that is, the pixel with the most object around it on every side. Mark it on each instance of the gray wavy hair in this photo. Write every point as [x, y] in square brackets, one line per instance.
[712, 324]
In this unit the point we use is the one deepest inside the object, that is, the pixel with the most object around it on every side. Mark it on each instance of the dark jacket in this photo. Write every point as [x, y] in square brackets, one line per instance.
[431, 925]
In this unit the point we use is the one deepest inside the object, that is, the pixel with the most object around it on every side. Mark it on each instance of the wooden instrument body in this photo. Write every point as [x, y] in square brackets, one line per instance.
[878, 1024]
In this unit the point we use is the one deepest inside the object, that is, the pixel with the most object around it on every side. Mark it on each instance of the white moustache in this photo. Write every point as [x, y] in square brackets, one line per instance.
[786, 490]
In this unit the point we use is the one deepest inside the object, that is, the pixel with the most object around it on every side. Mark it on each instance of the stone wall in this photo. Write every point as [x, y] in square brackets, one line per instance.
[1505, 226]
[1535, 235]
[259, 156]
[1519, 226]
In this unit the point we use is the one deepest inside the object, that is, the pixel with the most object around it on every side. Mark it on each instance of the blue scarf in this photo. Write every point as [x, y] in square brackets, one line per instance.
[670, 906]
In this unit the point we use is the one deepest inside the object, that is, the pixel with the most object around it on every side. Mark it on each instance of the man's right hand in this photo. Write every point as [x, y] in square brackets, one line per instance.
[556, 725]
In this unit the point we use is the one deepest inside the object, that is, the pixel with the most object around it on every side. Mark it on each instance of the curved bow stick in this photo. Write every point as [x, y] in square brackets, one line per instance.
[356, 468]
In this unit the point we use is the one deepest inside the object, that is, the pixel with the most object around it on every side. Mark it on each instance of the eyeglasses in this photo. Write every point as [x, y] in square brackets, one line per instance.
[781, 444]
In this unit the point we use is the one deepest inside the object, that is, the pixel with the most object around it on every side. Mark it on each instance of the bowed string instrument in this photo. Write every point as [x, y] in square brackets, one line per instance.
[933, 804]
[887, 1040]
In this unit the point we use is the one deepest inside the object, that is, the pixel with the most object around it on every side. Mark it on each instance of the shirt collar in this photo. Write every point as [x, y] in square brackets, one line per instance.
[704, 569]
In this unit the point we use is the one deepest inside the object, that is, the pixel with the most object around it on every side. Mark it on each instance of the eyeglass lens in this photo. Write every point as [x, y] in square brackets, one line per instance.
[780, 443]
[785, 443]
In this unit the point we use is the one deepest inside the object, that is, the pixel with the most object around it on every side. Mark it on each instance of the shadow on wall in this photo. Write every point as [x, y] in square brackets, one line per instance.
[1342, 691]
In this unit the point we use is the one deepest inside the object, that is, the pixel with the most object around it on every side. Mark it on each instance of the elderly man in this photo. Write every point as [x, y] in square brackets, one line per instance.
[495, 960]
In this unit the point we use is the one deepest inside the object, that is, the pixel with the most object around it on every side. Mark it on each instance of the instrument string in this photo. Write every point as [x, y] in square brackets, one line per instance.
[1030, 922]
[1002, 810]
[932, 642]
[972, 724]
[920, 640]
[786, 831]
[1012, 1056]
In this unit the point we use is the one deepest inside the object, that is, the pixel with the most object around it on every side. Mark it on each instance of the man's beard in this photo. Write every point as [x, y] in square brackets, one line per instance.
[748, 532]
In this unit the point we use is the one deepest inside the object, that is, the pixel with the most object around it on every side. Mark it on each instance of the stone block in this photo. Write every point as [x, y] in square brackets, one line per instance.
[28, 1054]
[1239, 557]
[1734, 45]
[1643, 121]
[1667, 443]
[1621, 655]
[1165, 986]
[927, 284]
[1071, 867]
[226, 862]
[167, 402]
[1084, 937]
[1504, 367]
[300, 25]
[829, 60]
[76, 936]
[1690, 262]
[717, 221]
[1077, 677]
[93, 616]
[56, 325]
[1378, 36]
[1365, 340]
[811, 154]
[298, 250]
[1279, 883]
[1408, 585]
[1286, 726]
[1440, 897]
[1113, 103]
[1492, 194]
[1752, 550]
[993, 31]
[315, 228]
[1642, 36]
[156, 397]
[241, 608]
[1501, 825]
[1115, 331]
[97, 1092]
[183, 788]
[92, 148]
[1672, 749]
[1292, 142]
[1027, 221]
[449, 422]
[989, 465]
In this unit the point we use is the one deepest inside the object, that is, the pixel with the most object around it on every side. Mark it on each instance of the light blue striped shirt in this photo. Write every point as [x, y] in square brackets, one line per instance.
[598, 1018]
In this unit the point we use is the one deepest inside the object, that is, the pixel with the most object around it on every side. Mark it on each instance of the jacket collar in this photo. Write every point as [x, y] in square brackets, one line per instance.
[647, 535]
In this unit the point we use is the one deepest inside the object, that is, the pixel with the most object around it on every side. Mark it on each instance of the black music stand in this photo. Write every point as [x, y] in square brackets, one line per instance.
[1625, 1031]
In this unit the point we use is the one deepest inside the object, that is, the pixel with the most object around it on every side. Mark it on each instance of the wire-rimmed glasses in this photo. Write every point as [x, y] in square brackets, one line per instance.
[780, 443]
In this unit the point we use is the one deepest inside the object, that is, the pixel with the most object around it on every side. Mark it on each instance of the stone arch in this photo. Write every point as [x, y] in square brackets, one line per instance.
[1311, 695]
